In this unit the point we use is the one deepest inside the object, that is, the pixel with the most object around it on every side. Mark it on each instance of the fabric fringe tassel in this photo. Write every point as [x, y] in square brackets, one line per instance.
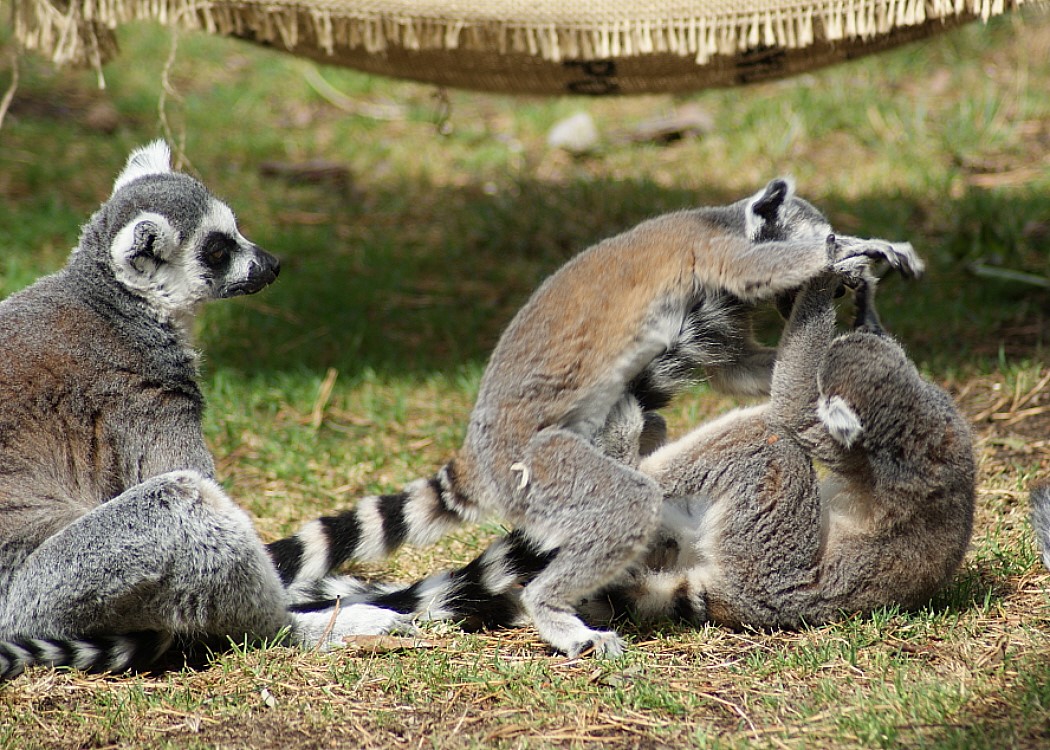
[79, 32]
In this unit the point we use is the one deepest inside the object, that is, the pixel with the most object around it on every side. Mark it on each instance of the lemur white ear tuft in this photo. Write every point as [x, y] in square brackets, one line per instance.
[154, 158]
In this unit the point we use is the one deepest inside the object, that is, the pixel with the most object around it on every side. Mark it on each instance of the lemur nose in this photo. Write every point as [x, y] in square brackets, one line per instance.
[268, 262]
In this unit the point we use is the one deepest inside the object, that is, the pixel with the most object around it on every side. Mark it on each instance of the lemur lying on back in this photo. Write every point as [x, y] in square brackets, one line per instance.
[115, 540]
[595, 337]
[750, 534]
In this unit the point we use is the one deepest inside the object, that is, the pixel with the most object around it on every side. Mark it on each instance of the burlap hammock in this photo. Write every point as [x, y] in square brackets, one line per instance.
[526, 46]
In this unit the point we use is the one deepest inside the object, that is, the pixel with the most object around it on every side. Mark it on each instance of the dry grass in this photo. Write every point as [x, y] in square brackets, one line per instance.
[968, 671]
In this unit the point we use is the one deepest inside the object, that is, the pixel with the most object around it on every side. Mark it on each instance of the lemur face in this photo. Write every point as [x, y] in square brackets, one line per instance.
[228, 263]
[173, 242]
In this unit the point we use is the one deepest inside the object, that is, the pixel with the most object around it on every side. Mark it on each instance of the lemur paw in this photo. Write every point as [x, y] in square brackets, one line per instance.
[851, 270]
[850, 267]
[602, 644]
[901, 256]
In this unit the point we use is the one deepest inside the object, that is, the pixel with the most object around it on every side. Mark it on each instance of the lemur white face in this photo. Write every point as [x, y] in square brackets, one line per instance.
[185, 248]
[228, 264]
[177, 273]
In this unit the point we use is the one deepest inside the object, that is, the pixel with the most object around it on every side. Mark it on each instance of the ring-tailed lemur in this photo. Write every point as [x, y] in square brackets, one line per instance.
[750, 535]
[115, 541]
[675, 289]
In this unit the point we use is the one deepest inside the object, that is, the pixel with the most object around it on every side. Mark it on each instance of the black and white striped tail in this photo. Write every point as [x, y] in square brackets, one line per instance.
[109, 653]
[482, 594]
[1041, 520]
[420, 514]
[648, 596]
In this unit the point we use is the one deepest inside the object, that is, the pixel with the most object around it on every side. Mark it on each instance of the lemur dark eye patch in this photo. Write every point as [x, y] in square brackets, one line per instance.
[216, 249]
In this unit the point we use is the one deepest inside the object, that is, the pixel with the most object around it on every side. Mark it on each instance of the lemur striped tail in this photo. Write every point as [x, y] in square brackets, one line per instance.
[482, 594]
[1041, 519]
[649, 596]
[109, 653]
[420, 514]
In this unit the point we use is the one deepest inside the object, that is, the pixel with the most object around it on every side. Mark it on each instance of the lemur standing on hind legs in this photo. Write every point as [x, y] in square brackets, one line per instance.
[115, 540]
[592, 340]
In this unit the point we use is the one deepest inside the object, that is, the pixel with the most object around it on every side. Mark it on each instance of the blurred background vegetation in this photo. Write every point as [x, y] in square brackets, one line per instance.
[415, 256]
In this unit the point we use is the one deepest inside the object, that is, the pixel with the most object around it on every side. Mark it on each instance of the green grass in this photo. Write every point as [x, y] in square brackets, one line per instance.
[401, 280]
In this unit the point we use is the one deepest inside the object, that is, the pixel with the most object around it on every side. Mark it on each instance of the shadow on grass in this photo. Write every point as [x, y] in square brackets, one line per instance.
[417, 278]
[1008, 711]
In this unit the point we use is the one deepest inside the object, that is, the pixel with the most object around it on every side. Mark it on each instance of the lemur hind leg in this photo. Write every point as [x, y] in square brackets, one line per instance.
[599, 514]
[173, 554]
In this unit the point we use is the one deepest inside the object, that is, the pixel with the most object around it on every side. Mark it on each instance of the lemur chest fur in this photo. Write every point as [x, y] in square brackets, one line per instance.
[68, 400]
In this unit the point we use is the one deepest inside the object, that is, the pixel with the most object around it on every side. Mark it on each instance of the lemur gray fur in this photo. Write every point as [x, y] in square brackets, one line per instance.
[115, 540]
[595, 335]
[1040, 499]
[750, 534]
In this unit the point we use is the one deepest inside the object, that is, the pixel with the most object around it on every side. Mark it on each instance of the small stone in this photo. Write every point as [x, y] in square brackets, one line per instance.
[577, 134]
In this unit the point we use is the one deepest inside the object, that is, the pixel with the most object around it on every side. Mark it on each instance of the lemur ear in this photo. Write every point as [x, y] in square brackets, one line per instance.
[841, 422]
[143, 244]
[142, 255]
[765, 207]
[154, 158]
[767, 203]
